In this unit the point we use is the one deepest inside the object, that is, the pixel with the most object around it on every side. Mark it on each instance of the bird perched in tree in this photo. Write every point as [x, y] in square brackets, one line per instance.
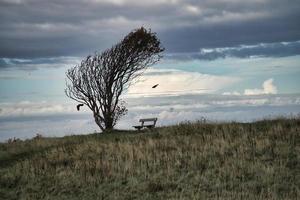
[154, 86]
[78, 106]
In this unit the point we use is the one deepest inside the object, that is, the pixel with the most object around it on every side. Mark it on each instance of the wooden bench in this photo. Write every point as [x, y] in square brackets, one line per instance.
[143, 125]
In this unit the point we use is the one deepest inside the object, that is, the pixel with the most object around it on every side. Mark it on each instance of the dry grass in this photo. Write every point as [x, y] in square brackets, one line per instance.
[187, 161]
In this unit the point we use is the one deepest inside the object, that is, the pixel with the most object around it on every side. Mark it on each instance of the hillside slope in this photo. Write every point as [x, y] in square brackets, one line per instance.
[188, 161]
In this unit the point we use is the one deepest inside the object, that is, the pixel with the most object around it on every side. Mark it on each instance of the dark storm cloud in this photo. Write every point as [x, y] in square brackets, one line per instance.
[35, 28]
[33, 64]
[280, 49]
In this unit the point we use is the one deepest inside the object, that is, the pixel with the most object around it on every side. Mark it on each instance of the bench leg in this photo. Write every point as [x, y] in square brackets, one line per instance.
[138, 128]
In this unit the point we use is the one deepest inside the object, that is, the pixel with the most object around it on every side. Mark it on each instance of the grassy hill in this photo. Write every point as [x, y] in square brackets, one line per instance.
[187, 161]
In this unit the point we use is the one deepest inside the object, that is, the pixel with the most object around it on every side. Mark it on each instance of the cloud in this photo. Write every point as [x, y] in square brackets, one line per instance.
[267, 88]
[232, 93]
[191, 9]
[25, 119]
[11, 1]
[28, 108]
[37, 63]
[52, 29]
[278, 49]
[153, 104]
[177, 82]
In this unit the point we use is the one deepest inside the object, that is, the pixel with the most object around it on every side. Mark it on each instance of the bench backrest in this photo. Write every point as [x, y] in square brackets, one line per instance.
[149, 120]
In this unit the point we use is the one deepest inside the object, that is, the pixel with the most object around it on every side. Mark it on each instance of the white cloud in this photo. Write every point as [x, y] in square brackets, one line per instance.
[177, 82]
[191, 9]
[232, 93]
[226, 16]
[249, 51]
[134, 2]
[267, 88]
[28, 108]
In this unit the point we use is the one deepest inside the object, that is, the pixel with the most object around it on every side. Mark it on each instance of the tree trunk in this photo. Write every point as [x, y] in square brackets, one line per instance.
[98, 122]
[108, 122]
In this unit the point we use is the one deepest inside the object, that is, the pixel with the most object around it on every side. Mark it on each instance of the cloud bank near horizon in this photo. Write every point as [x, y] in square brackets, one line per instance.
[26, 119]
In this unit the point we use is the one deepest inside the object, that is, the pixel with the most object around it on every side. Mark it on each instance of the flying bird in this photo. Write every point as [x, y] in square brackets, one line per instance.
[154, 86]
[78, 106]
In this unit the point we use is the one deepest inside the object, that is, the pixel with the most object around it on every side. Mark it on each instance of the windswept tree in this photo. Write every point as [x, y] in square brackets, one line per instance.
[99, 80]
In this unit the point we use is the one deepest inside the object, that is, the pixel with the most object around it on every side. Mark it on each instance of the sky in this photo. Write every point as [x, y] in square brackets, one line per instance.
[224, 60]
